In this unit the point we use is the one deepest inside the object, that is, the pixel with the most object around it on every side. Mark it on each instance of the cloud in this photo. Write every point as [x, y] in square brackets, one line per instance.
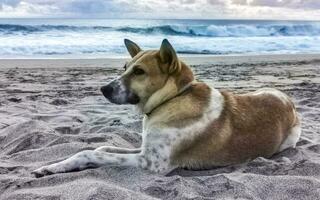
[10, 2]
[20, 8]
[239, 2]
[304, 4]
[187, 1]
[216, 2]
[260, 9]
[89, 6]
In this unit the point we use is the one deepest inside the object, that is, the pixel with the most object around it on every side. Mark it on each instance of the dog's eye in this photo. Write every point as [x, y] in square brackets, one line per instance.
[138, 71]
[125, 67]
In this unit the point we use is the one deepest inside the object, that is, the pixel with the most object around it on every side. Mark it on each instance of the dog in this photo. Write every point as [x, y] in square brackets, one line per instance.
[186, 123]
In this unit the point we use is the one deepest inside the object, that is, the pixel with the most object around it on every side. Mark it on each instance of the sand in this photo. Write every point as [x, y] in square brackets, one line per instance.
[52, 109]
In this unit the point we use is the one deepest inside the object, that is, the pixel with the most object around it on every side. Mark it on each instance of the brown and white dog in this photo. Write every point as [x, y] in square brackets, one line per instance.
[187, 123]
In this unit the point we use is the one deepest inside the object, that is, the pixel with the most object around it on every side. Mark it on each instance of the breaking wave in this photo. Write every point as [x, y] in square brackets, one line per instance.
[239, 30]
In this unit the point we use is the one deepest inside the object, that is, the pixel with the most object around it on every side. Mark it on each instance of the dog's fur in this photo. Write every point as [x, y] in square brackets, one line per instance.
[187, 123]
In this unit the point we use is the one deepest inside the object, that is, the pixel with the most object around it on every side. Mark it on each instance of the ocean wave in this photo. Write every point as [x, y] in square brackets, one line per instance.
[239, 30]
[15, 28]
[93, 50]
[248, 30]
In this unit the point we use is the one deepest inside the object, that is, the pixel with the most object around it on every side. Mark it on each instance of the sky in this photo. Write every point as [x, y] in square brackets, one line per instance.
[183, 9]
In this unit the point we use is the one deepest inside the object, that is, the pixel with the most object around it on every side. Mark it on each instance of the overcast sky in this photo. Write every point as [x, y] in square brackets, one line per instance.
[205, 9]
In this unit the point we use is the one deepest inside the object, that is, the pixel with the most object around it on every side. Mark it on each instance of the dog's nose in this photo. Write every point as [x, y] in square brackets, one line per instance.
[106, 90]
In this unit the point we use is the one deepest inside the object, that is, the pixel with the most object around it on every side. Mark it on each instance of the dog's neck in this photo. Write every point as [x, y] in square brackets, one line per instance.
[164, 95]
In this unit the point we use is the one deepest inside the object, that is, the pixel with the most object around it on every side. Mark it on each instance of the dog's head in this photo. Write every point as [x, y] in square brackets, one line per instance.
[150, 77]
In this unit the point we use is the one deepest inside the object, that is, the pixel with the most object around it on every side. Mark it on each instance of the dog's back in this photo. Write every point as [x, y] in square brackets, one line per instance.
[250, 125]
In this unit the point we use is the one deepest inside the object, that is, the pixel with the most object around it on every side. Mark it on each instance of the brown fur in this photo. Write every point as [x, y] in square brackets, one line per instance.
[248, 127]
[175, 114]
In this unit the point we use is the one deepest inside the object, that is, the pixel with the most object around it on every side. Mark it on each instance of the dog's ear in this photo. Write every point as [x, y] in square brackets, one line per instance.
[168, 55]
[132, 47]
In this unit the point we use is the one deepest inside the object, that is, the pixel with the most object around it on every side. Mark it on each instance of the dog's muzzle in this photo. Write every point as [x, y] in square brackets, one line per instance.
[117, 93]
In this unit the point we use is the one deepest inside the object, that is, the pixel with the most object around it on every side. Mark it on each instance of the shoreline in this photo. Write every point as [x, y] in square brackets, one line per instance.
[188, 59]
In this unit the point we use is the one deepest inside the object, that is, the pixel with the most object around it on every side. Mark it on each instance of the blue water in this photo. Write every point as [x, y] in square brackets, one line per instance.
[100, 38]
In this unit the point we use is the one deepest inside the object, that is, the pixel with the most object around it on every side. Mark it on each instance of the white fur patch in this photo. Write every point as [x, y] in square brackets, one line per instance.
[292, 138]
[89, 158]
[160, 141]
[213, 112]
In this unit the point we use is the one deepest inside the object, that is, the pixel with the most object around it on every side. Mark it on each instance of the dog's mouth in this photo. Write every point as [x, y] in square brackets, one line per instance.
[133, 98]
[116, 93]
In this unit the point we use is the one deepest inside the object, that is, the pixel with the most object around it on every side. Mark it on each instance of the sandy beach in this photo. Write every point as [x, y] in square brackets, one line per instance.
[51, 109]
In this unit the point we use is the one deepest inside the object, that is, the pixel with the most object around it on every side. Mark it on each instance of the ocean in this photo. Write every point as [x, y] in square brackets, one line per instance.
[103, 38]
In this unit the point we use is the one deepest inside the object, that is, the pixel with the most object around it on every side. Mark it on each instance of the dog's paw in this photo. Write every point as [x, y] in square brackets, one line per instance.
[43, 171]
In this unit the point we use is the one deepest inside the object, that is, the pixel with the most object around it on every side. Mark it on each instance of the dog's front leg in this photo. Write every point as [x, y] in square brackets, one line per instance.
[111, 149]
[89, 158]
